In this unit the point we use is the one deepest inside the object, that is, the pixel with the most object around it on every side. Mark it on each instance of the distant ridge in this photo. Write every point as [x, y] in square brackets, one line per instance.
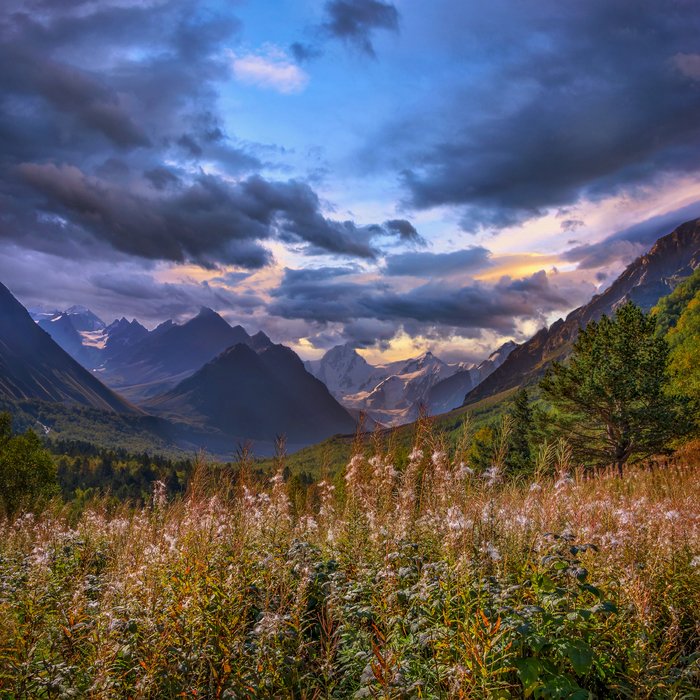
[169, 354]
[645, 281]
[33, 366]
[255, 390]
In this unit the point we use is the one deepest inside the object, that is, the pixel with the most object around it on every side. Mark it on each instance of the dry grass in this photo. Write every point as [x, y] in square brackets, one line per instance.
[433, 582]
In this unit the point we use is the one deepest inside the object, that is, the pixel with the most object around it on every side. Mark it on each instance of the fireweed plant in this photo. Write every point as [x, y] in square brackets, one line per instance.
[418, 580]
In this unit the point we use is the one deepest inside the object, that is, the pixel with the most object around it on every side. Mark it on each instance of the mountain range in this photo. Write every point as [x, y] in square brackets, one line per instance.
[33, 366]
[392, 393]
[650, 277]
[208, 380]
[256, 389]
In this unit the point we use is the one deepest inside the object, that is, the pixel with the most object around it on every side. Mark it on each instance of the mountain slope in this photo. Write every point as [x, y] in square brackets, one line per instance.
[645, 281]
[449, 393]
[255, 393]
[33, 366]
[169, 354]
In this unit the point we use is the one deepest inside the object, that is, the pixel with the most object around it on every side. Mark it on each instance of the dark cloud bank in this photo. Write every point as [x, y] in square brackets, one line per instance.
[579, 99]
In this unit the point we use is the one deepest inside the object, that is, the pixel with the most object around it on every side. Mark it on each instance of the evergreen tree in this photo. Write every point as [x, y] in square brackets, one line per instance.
[520, 456]
[613, 400]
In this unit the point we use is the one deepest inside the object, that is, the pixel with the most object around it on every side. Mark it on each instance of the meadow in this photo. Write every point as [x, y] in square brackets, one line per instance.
[425, 580]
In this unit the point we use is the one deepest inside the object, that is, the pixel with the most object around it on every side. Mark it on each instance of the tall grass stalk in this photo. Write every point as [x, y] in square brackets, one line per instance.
[420, 581]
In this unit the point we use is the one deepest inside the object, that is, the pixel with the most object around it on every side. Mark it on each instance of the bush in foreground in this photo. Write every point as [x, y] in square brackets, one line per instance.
[431, 582]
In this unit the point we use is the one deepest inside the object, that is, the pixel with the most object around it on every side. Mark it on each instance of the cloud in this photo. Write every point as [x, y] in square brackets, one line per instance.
[72, 91]
[209, 222]
[272, 69]
[627, 245]
[175, 300]
[304, 52]
[688, 65]
[405, 231]
[354, 21]
[427, 265]
[161, 177]
[548, 108]
[432, 309]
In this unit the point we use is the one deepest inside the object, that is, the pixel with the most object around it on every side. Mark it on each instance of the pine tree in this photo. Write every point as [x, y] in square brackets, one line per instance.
[614, 399]
[520, 456]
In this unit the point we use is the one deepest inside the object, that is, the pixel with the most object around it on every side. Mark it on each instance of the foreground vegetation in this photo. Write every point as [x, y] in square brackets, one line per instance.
[426, 582]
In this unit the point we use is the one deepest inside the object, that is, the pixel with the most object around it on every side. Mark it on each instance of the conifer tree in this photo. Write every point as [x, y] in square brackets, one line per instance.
[614, 399]
[520, 456]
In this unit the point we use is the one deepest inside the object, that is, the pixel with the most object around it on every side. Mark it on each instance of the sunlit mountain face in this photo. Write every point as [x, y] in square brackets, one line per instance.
[400, 178]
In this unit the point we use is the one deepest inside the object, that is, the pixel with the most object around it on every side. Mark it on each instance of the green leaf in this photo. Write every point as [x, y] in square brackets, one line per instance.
[581, 657]
[604, 607]
[529, 673]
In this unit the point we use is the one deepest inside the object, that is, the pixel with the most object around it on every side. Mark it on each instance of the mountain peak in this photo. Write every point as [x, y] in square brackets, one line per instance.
[259, 342]
[206, 311]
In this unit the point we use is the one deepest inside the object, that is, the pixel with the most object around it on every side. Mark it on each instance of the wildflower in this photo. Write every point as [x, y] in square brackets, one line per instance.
[492, 551]
[159, 497]
[463, 470]
[492, 475]
[416, 455]
[437, 457]
[353, 470]
[563, 481]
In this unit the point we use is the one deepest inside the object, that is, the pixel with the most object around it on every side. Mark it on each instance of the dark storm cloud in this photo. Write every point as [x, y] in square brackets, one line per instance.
[428, 265]
[405, 231]
[354, 21]
[630, 243]
[581, 99]
[209, 222]
[71, 91]
[89, 135]
[432, 308]
[161, 177]
[180, 298]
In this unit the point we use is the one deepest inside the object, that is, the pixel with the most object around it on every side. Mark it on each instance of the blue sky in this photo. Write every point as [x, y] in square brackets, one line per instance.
[401, 176]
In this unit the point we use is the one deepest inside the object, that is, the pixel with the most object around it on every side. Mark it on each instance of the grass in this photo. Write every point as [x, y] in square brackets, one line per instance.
[412, 580]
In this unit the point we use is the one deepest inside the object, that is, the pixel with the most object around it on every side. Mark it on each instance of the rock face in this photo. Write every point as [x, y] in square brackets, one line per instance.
[255, 390]
[33, 366]
[645, 281]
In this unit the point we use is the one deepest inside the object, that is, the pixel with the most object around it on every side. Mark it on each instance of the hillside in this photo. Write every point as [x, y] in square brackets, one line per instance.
[650, 277]
[33, 366]
[255, 393]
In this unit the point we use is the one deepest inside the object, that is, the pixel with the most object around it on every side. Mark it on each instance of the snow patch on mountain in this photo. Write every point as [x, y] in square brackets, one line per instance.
[392, 393]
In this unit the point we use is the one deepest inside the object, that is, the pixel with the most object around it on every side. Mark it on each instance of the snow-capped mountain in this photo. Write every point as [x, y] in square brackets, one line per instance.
[84, 336]
[449, 393]
[391, 393]
[343, 370]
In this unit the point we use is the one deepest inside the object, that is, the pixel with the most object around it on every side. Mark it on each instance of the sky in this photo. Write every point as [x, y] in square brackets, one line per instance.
[401, 176]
